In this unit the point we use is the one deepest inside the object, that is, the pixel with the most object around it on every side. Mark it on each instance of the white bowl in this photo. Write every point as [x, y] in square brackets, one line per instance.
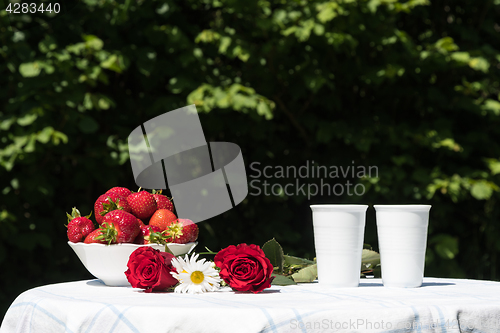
[109, 262]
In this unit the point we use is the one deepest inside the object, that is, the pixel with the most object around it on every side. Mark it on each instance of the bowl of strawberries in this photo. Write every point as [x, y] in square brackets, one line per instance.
[109, 262]
[125, 221]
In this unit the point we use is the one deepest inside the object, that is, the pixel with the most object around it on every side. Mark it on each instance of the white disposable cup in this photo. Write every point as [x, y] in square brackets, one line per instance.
[402, 240]
[338, 239]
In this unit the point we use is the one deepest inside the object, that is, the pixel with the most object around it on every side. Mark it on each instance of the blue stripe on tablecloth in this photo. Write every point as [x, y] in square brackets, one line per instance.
[299, 319]
[42, 310]
[441, 319]
[95, 318]
[108, 305]
[229, 302]
[417, 319]
[183, 296]
[35, 304]
[123, 319]
[270, 320]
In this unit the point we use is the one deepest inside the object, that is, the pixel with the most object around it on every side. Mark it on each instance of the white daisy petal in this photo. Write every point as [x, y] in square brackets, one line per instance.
[195, 276]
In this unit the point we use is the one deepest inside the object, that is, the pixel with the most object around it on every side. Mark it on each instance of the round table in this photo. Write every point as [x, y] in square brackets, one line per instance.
[440, 305]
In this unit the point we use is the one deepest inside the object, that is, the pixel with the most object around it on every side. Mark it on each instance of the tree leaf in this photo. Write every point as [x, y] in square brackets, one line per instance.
[480, 64]
[446, 246]
[44, 135]
[492, 106]
[27, 119]
[29, 69]
[462, 57]
[93, 42]
[88, 125]
[494, 165]
[481, 190]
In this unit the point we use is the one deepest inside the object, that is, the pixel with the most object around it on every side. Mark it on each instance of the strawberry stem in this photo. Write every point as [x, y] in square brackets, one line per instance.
[156, 237]
[175, 230]
[75, 213]
[110, 206]
[108, 233]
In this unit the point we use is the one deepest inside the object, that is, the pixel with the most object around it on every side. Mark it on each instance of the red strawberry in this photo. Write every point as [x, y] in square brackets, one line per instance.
[120, 227]
[163, 202]
[95, 236]
[107, 203]
[78, 226]
[150, 234]
[162, 218]
[141, 224]
[123, 191]
[142, 203]
[182, 231]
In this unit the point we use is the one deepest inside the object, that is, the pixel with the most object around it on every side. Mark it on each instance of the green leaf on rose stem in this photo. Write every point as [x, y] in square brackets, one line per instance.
[291, 260]
[377, 272]
[281, 280]
[208, 251]
[273, 251]
[369, 259]
[364, 274]
[307, 274]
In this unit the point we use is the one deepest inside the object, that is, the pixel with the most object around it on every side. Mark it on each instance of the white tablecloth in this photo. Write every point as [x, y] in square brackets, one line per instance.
[440, 305]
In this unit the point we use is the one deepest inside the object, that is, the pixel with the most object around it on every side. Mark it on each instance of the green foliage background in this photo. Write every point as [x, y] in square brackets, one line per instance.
[411, 87]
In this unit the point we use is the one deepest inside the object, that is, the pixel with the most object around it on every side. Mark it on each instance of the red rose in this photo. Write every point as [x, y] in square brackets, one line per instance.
[245, 267]
[150, 269]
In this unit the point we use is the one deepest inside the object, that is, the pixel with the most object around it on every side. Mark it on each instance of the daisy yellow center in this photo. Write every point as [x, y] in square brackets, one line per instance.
[197, 277]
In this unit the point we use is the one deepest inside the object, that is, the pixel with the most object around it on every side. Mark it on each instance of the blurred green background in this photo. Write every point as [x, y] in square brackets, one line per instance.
[411, 87]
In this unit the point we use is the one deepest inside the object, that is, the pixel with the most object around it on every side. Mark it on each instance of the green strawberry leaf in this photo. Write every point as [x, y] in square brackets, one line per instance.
[76, 213]
[157, 237]
[108, 233]
[110, 206]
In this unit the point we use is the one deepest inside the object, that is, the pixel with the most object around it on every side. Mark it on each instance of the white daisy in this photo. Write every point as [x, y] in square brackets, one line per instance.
[195, 276]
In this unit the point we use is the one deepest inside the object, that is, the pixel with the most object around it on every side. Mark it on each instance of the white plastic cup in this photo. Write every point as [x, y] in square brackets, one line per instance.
[402, 240]
[338, 239]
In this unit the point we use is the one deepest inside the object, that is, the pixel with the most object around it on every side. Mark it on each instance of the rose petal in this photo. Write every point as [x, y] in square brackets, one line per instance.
[244, 267]
[150, 269]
